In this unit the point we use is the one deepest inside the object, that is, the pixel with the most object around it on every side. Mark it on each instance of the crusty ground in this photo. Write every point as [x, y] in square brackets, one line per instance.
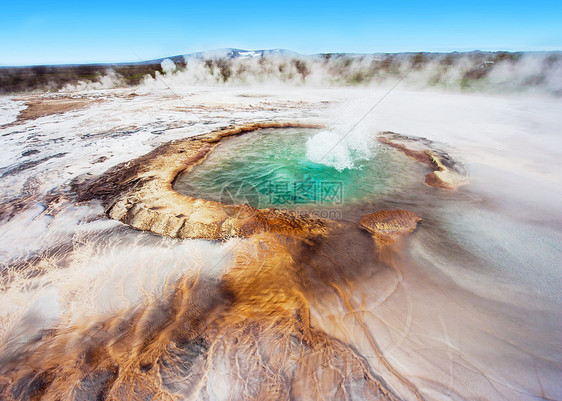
[44, 107]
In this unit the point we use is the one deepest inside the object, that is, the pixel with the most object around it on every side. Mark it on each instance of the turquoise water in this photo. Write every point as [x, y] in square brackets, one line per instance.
[270, 168]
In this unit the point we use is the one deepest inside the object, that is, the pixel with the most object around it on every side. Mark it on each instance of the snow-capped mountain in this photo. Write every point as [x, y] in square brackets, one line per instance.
[240, 53]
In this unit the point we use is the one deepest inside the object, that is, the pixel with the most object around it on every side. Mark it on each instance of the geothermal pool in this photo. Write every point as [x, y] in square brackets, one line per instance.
[280, 168]
[465, 307]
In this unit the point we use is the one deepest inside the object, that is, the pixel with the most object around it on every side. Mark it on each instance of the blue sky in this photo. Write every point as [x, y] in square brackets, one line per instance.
[55, 32]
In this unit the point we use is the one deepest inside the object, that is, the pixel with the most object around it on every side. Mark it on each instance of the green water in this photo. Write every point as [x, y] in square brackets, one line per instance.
[270, 168]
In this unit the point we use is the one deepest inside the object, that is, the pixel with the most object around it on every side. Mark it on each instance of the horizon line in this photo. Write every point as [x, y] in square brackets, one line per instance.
[156, 59]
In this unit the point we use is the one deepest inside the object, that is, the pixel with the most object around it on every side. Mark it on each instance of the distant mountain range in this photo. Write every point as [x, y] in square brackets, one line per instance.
[234, 53]
[240, 53]
[230, 53]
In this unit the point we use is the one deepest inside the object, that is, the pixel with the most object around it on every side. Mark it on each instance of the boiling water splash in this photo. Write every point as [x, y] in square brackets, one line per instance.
[339, 149]
[347, 142]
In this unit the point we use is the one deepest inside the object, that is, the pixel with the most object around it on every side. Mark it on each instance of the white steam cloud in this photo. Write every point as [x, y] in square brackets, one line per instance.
[494, 72]
[168, 65]
[537, 73]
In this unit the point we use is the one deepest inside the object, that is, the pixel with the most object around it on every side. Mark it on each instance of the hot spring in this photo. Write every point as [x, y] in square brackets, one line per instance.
[272, 168]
